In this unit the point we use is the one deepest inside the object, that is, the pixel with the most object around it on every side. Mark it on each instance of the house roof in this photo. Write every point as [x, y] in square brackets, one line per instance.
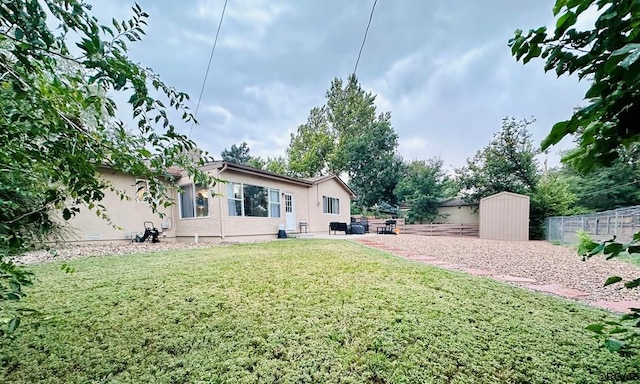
[224, 165]
[322, 179]
[455, 203]
[227, 165]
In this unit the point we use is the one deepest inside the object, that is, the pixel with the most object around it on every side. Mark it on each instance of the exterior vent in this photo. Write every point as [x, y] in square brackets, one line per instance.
[93, 236]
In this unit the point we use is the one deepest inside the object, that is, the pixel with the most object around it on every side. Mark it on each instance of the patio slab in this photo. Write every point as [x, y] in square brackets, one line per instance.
[558, 290]
[478, 272]
[617, 306]
[442, 264]
[513, 279]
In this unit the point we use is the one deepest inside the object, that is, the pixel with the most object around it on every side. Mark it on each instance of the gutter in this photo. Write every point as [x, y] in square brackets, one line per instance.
[224, 166]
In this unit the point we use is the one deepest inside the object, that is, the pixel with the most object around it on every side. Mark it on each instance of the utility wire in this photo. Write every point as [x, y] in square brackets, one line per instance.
[206, 73]
[610, 188]
[365, 36]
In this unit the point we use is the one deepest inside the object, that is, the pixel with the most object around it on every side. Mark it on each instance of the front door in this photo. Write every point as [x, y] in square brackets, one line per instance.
[289, 212]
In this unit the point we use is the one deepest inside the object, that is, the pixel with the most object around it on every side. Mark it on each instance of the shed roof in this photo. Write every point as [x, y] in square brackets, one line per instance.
[505, 193]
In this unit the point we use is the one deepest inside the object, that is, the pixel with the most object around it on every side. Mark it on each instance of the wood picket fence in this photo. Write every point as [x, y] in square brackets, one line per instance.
[472, 230]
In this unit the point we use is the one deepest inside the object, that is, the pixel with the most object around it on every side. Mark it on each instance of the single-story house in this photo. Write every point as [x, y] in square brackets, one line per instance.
[457, 211]
[252, 202]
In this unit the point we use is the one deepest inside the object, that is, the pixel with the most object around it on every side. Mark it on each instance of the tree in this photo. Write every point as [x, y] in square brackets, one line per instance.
[311, 145]
[346, 136]
[608, 56]
[604, 188]
[277, 165]
[423, 186]
[507, 164]
[373, 166]
[58, 125]
[238, 154]
[551, 197]
[351, 112]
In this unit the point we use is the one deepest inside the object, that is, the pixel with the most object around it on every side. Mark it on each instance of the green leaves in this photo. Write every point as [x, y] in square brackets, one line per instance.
[423, 186]
[631, 58]
[58, 124]
[612, 280]
[564, 22]
[597, 328]
[608, 56]
[614, 345]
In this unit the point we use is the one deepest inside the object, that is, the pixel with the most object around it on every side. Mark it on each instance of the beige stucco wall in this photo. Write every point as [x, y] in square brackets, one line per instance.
[319, 221]
[504, 216]
[253, 226]
[307, 206]
[459, 215]
[205, 228]
[129, 215]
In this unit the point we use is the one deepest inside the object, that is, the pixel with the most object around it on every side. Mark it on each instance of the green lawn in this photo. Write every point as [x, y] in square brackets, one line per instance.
[295, 311]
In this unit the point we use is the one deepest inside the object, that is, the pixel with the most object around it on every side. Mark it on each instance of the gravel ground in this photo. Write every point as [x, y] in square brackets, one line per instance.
[80, 251]
[539, 260]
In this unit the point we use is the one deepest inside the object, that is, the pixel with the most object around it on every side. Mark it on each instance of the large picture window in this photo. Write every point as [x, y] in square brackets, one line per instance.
[194, 201]
[330, 205]
[253, 201]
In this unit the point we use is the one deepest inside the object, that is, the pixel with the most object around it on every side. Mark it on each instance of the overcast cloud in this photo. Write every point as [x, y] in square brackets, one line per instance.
[441, 67]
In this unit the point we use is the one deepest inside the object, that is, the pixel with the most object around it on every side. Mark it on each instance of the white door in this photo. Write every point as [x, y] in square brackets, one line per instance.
[289, 212]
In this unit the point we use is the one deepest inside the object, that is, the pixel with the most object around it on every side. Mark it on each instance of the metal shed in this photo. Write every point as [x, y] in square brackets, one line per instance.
[504, 216]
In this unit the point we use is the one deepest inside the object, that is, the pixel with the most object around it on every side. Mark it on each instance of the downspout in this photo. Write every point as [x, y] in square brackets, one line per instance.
[220, 204]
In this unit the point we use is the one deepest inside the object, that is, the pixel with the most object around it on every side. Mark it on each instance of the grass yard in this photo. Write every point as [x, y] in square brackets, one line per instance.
[295, 311]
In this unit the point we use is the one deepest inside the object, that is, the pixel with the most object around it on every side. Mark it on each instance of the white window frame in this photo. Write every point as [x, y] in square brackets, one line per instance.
[270, 203]
[330, 205]
[275, 206]
[194, 189]
[231, 197]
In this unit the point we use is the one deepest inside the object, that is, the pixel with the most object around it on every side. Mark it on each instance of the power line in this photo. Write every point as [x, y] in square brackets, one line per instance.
[610, 188]
[206, 73]
[365, 36]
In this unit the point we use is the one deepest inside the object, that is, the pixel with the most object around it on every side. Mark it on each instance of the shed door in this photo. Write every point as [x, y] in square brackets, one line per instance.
[289, 212]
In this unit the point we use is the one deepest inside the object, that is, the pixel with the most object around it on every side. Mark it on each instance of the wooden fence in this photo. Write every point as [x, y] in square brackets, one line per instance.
[442, 229]
[429, 229]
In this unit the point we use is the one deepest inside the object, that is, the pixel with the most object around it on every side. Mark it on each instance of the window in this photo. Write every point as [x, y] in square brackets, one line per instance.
[274, 203]
[235, 199]
[330, 205]
[253, 200]
[288, 203]
[142, 190]
[194, 201]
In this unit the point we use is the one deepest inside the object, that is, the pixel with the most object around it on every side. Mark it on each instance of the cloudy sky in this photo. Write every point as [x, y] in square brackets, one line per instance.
[441, 67]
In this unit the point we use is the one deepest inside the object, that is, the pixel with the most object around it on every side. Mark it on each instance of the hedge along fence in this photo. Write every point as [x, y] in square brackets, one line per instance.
[429, 229]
